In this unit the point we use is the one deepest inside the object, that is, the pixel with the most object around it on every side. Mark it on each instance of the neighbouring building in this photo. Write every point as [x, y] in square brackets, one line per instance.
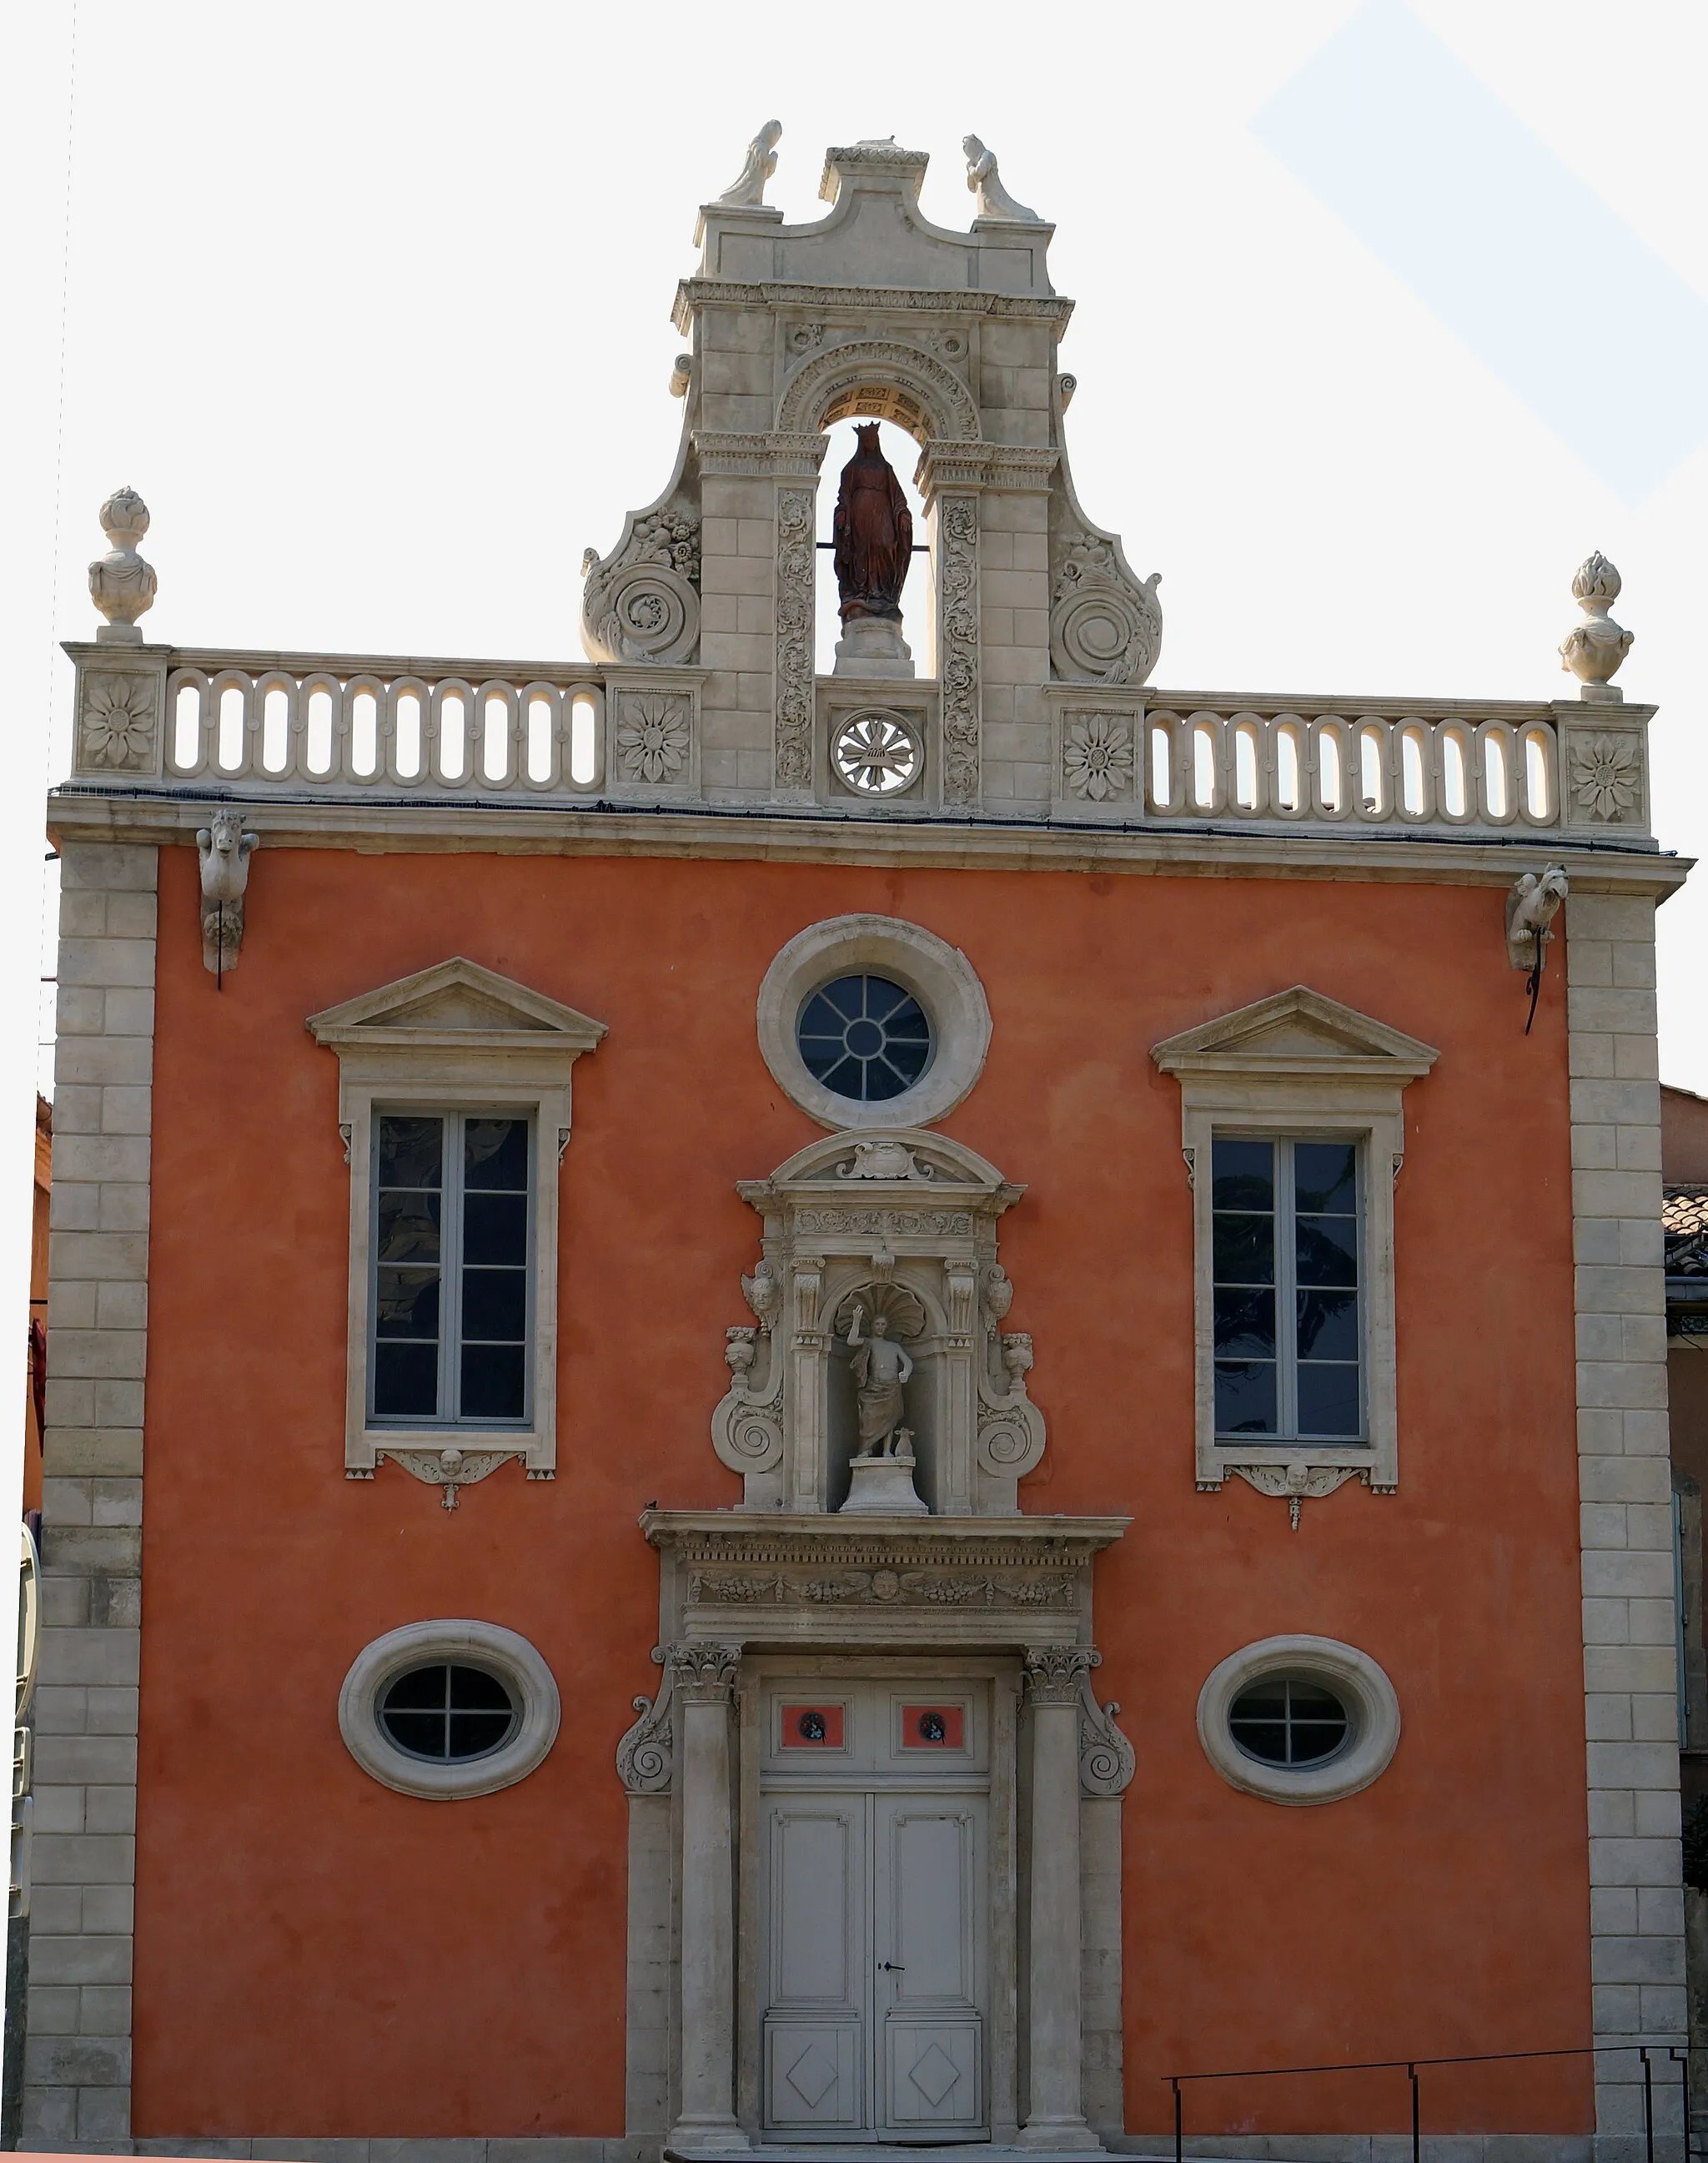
[817, 1404]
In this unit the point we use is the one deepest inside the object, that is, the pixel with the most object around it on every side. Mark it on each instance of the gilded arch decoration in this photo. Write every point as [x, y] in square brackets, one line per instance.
[945, 408]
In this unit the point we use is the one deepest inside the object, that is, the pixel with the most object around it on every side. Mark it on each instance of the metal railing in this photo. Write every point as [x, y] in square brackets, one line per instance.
[1668, 2053]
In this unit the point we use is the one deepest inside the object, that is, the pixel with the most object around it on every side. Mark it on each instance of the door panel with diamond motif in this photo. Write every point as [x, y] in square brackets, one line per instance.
[876, 1872]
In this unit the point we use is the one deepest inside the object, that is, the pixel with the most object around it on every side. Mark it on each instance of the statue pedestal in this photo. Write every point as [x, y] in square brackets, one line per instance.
[873, 646]
[883, 1487]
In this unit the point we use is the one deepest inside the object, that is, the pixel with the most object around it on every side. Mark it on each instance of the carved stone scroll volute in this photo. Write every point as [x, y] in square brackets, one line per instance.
[903, 1224]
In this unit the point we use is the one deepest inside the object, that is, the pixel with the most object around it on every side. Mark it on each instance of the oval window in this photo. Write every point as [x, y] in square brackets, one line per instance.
[1284, 1722]
[447, 1714]
[866, 1038]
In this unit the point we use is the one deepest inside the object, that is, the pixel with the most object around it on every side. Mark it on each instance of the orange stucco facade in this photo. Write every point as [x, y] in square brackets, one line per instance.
[318, 1954]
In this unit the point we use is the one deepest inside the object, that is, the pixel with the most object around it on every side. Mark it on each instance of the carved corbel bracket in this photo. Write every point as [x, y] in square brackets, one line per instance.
[448, 1470]
[1297, 1481]
[224, 850]
[1060, 1674]
[1533, 903]
[646, 1755]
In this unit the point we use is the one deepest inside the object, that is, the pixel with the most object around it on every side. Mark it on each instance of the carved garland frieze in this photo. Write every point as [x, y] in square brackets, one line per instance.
[880, 1588]
[794, 657]
[958, 644]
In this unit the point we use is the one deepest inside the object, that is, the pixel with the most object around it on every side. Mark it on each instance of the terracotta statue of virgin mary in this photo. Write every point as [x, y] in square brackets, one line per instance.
[873, 533]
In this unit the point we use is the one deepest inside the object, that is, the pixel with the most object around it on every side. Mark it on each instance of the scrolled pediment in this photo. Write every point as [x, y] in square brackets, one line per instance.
[883, 1162]
[1296, 1032]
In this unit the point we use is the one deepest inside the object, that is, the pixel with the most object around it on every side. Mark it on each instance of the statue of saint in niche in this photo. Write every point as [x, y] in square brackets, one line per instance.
[880, 1367]
[873, 533]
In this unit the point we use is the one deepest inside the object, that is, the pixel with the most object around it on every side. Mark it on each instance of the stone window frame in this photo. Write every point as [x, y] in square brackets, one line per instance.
[488, 1645]
[1300, 1066]
[454, 1038]
[1357, 1680]
[939, 975]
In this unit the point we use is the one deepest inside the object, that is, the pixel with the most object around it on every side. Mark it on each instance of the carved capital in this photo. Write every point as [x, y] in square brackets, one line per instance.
[703, 1672]
[1055, 1675]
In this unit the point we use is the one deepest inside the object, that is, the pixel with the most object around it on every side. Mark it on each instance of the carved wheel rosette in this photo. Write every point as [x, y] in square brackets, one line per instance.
[1105, 627]
[876, 752]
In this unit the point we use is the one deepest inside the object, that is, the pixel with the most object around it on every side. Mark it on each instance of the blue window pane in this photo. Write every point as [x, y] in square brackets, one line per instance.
[1244, 1249]
[495, 1229]
[495, 1305]
[406, 1303]
[1327, 1325]
[495, 1154]
[1328, 1400]
[411, 1152]
[493, 1382]
[1245, 1324]
[1327, 1250]
[1325, 1177]
[1245, 1397]
[865, 1038]
[1243, 1175]
[406, 1381]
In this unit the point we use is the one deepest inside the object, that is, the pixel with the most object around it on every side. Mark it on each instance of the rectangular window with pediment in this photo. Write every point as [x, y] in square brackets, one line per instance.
[1294, 1129]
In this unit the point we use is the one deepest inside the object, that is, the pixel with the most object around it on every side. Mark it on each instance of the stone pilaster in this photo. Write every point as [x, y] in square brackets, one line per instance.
[703, 1676]
[1054, 1686]
[1630, 1626]
[77, 2054]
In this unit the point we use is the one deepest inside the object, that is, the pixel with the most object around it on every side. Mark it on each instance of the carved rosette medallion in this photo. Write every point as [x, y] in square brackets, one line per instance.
[793, 757]
[653, 737]
[958, 646]
[1105, 626]
[1097, 756]
[1606, 778]
[117, 724]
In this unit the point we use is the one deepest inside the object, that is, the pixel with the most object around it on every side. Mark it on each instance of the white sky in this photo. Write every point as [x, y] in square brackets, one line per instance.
[371, 302]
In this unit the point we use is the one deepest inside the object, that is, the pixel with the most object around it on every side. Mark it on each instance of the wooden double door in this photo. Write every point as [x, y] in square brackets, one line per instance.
[875, 1801]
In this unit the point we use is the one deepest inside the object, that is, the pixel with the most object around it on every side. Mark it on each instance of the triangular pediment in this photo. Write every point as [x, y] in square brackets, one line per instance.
[1297, 1031]
[456, 1002]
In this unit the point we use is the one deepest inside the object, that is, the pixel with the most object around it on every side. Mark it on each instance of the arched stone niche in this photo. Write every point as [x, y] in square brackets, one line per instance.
[900, 378]
[903, 1221]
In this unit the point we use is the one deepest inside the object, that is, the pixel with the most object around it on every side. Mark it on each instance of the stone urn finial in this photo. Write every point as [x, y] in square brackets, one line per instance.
[121, 584]
[1594, 650]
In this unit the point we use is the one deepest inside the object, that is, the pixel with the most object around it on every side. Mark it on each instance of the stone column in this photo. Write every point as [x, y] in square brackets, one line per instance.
[704, 1677]
[1054, 1684]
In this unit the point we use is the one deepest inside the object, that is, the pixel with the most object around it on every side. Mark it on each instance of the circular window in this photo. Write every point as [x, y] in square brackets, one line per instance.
[447, 1714]
[448, 1709]
[1289, 1722]
[864, 1037]
[1299, 1719]
[870, 1021]
[876, 752]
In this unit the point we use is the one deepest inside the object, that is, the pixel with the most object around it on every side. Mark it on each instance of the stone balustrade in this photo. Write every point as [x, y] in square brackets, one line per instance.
[354, 726]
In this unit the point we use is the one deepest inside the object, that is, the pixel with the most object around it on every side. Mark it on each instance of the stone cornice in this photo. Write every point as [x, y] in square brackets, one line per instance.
[863, 301]
[162, 816]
